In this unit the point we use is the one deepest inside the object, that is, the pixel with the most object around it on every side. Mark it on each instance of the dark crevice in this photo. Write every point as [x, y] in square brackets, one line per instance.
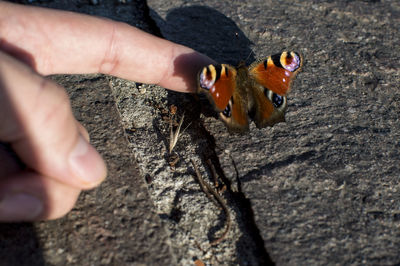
[238, 198]
[152, 25]
[20, 245]
[247, 221]
[298, 158]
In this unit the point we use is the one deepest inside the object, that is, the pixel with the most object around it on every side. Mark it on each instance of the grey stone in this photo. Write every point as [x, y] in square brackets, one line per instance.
[114, 224]
[322, 188]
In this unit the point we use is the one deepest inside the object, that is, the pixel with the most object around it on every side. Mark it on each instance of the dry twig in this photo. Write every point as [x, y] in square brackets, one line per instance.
[203, 185]
[174, 136]
[208, 189]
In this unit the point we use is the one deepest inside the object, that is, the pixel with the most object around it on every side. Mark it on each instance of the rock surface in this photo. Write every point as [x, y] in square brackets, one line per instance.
[322, 188]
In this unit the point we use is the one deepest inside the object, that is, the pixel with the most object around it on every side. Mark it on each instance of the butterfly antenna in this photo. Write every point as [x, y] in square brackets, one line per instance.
[248, 56]
[237, 41]
[256, 39]
[240, 49]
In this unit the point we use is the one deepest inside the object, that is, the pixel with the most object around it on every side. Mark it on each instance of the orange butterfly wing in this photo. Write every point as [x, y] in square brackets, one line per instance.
[271, 81]
[220, 84]
[258, 91]
[277, 72]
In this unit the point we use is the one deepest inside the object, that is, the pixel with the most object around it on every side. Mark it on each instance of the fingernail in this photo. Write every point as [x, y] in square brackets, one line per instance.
[83, 131]
[20, 207]
[87, 164]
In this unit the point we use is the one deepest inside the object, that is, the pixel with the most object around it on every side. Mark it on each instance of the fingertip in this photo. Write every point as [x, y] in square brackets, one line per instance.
[82, 130]
[186, 66]
[29, 196]
[87, 164]
[20, 206]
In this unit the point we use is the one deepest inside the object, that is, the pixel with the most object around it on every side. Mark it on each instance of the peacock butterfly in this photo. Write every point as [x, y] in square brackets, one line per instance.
[256, 92]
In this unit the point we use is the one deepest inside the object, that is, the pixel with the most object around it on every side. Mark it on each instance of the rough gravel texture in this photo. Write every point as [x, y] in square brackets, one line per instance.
[324, 187]
[320, 189]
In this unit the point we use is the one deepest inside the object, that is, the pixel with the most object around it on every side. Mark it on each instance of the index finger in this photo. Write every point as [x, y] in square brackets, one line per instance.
[37, 121]
[54, 41]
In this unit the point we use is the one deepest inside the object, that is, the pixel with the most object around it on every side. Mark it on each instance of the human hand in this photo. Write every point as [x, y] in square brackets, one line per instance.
[36, 121]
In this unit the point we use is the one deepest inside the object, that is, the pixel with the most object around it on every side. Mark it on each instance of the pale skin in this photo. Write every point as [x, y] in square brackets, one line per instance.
[36, 121]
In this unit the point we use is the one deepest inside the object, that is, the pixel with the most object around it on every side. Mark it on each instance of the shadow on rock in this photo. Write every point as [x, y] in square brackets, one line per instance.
[19, 245]
[212, 33]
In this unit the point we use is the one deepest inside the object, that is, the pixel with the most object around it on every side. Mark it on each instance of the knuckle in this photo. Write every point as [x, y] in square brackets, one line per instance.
[51, 105]
[58, 207]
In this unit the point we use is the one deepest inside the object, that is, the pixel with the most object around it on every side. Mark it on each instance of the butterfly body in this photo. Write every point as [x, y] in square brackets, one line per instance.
[257, 92]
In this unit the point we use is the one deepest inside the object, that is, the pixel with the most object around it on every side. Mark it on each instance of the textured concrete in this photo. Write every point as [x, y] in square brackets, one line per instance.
[114, 224]
[322, 188]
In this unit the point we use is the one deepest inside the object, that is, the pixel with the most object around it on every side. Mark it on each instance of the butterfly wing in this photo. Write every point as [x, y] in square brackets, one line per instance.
[271, 80]
[221, 85]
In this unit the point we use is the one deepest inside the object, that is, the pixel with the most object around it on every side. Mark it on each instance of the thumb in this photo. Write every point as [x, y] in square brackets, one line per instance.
[36, 119]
